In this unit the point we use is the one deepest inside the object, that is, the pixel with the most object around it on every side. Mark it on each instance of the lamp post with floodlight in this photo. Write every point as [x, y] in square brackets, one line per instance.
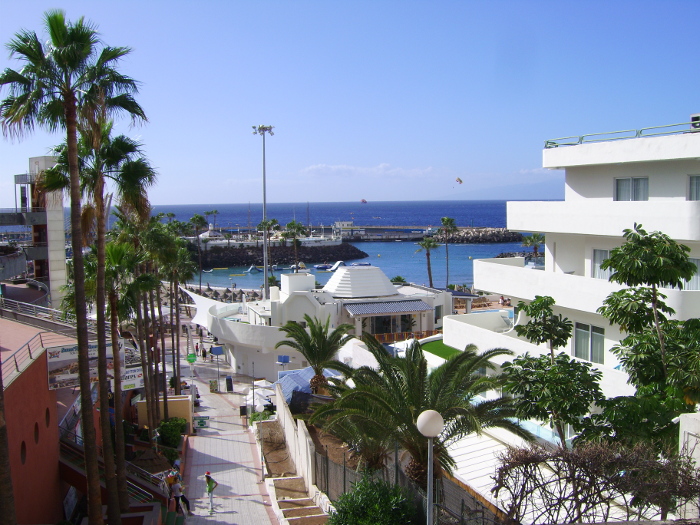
[262, 130]
[430, 424]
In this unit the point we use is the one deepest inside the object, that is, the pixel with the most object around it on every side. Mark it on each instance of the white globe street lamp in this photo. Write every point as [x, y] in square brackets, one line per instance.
[430, 424]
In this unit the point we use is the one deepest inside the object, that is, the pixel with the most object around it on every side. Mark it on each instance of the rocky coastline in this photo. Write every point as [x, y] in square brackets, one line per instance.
[229, 257]
[481, 236]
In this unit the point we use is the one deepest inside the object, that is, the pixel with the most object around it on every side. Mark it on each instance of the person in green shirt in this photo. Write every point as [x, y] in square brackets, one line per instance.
[211, 485]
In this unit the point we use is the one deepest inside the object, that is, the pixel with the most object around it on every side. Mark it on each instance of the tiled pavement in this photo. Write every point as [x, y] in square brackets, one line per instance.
[227, 450]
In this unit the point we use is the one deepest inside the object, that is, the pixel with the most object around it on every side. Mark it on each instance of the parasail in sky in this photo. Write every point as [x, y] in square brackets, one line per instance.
[459, 180]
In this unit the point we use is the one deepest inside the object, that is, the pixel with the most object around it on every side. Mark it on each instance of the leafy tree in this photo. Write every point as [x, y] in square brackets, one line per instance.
[61, 82]
[374, 502]
[428, 244]
[561, 390]
[398, 280]
[544, 326]
[448, 229]
[533, 241]
[318, 345]
[646, 262]
[387, 400]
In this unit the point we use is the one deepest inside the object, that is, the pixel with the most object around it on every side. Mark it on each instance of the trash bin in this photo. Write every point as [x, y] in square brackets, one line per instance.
[229, 383]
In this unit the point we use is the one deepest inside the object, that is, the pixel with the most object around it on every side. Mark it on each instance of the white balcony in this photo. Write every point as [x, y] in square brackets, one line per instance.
[230, 327]
[677, 218]
[477, 329]
[511, 278]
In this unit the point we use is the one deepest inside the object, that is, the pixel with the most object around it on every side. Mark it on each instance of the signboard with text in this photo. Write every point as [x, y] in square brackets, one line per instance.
[62, 364]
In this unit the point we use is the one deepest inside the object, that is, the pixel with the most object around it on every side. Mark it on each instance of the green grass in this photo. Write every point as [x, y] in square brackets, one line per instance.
[440, 349]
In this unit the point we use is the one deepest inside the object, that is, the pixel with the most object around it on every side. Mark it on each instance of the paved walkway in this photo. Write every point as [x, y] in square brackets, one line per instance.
[226, 449]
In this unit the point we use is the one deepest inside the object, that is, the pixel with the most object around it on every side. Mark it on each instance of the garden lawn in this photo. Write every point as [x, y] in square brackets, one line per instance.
[440, 349]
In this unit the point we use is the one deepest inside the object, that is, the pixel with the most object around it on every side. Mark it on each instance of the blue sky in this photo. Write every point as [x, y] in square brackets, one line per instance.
[381, 100]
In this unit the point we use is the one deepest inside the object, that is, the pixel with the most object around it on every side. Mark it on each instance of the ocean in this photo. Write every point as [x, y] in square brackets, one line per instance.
[394, 258]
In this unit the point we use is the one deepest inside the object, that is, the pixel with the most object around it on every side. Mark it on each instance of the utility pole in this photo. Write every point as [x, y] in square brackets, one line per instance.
[262, 130]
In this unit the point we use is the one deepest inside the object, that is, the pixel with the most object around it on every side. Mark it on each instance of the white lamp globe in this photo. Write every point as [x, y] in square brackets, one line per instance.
[259, 407]
[430, 423]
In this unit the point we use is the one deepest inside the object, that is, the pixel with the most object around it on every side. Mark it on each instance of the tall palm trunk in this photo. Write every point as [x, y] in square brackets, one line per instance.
[156, 357]
[447, 262]
[176, 295]
[92, 472]
[430, 270]
[113, 511]
[176, 368]
[152, 370]
[119, 444]
[163, 352]
[8, 515]
[145, 368]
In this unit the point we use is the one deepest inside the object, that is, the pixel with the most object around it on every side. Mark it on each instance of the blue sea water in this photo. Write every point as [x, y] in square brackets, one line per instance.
[394, 258]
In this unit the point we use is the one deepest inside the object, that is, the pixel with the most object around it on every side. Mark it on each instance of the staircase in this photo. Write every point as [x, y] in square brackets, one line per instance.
[294, 503]
[142, 486]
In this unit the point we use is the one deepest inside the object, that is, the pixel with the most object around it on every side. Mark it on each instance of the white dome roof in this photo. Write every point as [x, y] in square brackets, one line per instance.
[360, 281]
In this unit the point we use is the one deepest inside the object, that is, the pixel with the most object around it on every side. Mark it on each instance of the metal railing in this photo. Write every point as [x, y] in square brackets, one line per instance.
[42, 312]
[18, 361]
[670, 129]
[393, 337]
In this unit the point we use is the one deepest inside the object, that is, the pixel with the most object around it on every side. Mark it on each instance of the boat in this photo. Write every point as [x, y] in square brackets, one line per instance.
[363, 201]
[301, 266]
[207, 271]
[361, 264]
[323, 266]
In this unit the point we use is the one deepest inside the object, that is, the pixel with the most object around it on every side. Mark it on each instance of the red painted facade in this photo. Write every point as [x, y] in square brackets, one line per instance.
[30, 410]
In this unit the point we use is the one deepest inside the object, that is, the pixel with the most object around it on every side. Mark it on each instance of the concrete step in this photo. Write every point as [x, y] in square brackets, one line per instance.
[309, 520]
[301, 511]
[295, 503]
[290, 488]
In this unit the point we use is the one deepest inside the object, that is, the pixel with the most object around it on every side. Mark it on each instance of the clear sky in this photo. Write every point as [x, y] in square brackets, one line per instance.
[381, 100]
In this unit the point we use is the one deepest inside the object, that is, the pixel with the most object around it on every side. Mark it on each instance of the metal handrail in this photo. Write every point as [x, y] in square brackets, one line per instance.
[668, 129]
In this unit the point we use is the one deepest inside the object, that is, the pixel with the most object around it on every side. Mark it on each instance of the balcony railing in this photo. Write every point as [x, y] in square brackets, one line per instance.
[393, 337]
[670, 129]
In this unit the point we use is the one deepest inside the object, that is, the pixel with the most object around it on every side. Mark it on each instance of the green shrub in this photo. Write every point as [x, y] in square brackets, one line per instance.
[260, 416]
[170, 454]
[374, 502]
[171, 430]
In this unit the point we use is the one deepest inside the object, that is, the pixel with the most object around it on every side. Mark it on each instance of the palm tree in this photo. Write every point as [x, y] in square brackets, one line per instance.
[295, 229]
[428, 244]
[448, 229]
[533, 241]
[120, 161]
[388, 399]
[317, 345]
[198, 222]
[60, 83]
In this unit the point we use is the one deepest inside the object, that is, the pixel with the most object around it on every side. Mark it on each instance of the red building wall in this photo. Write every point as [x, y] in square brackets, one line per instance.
[30, 410]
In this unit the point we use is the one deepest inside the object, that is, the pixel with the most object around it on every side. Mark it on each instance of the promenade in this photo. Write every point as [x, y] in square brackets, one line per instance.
[226, 449]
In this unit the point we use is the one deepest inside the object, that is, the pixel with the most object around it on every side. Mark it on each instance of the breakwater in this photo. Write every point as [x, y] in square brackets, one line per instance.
[225, 257]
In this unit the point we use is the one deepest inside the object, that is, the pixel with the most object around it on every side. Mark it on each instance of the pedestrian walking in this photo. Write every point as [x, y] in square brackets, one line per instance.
[211, 485]
[179, 495]
[204, 353]
[196, 348]
[211, 355]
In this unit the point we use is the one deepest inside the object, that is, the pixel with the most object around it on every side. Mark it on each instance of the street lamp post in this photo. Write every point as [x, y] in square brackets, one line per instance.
[262, 130]
[430, 424]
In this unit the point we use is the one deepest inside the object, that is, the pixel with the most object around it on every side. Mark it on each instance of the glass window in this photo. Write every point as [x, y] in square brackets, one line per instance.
[694, 282]
[632, 189]
[589, 343]
[598, 257]
[694, 190]
[438, 313]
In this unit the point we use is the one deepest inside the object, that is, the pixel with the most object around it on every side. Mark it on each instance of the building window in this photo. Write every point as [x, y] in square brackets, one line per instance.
[598, 257]
[438, 313]
[632, 189]
[694, 189]
[588, 342]
[694, 282]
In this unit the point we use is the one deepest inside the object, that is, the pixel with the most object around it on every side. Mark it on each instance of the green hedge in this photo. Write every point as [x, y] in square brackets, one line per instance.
[374, 502]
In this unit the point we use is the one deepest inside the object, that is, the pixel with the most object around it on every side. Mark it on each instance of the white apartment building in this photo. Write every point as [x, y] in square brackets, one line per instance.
[651, 177]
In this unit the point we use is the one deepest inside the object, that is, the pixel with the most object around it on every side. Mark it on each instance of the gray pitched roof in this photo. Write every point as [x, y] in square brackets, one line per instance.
[387, 307]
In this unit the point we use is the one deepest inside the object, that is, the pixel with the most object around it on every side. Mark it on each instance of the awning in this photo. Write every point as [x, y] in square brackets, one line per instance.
[387, 307]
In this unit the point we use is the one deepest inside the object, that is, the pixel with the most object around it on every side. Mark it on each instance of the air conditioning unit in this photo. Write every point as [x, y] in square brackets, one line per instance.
[695, 122]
